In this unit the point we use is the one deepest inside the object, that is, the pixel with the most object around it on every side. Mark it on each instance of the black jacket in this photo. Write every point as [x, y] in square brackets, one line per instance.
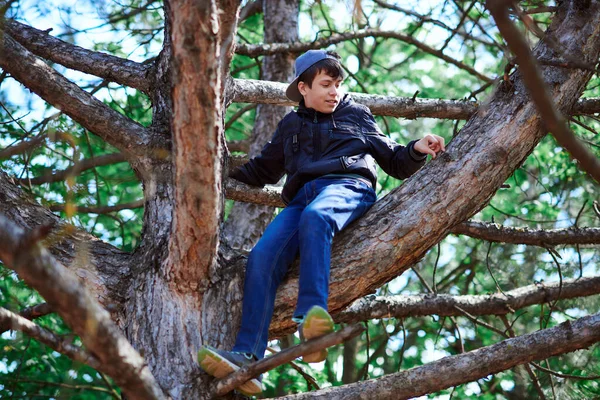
[308, 144]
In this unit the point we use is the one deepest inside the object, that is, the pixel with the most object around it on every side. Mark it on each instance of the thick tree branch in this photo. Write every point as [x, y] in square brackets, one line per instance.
[65, 294]
[539, 92]
[128, 136]
[536, 237]
[19, 323]
[467, 367]
[80, 166]
[401, 306]
[299, 47]
[105, 66]
[201, 48]
[399, 229]
[244, 374]
[265, 92]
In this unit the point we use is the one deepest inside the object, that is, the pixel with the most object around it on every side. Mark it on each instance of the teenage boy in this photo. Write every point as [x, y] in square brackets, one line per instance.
[328, 149]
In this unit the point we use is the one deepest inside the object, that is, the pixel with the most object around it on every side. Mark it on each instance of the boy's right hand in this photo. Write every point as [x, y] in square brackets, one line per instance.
[430, 144]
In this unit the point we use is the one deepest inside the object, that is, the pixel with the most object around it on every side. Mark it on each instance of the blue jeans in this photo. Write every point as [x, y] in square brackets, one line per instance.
[322, 208]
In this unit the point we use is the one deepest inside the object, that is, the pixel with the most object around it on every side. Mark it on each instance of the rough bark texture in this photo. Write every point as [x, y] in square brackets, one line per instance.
[402, 226]
[467, 367]
[247, 222]
[184, 203]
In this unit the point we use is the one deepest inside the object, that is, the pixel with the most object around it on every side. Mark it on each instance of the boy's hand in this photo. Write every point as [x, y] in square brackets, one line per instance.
[430, 144]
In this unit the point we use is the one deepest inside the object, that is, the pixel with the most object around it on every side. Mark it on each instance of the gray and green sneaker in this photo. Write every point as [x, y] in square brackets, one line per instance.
[317, 322]
[220, 363]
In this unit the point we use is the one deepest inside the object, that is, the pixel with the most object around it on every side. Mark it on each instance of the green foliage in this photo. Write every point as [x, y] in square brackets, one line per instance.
[547, 191]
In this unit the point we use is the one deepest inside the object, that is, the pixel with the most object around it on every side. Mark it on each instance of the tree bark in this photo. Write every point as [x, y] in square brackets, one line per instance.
[247, 222]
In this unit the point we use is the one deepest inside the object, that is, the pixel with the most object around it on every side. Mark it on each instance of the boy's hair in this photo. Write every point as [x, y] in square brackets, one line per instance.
[331, 67]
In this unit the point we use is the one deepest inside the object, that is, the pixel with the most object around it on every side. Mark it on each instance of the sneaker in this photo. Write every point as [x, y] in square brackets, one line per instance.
[317, 322]
[220, 363]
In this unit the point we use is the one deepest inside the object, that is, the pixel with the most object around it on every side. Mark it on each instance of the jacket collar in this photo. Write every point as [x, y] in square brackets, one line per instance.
[311, 112]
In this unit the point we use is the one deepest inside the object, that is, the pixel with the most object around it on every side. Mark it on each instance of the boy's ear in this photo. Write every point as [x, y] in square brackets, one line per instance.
[302, 88]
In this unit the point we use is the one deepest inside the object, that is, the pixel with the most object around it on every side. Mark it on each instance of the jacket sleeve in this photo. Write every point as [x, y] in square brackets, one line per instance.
[396, 160]
[268, 167]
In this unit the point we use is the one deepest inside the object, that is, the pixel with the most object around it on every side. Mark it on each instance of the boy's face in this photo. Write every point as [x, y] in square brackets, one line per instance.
[324, 95]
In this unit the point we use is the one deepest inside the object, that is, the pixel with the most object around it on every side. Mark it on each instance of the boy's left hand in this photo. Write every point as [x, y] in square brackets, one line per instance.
[430, 144]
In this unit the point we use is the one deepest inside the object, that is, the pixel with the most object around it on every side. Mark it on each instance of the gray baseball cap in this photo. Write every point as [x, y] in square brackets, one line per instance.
[304, 62]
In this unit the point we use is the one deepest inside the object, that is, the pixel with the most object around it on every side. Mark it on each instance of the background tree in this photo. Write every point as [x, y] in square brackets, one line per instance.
[112, 197]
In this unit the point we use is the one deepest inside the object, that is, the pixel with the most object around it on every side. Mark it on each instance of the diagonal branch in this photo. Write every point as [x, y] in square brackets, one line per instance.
[244, 374]
[18, 323]
[401, 306]
[468, 367]
[128, 136]
[105, 66]
[22, 146]
[539, 92]
[299, 47]
[67, 296]
[401, 227]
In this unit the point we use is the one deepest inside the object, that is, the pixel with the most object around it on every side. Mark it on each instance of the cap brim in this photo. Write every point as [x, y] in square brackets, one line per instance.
[292, 91]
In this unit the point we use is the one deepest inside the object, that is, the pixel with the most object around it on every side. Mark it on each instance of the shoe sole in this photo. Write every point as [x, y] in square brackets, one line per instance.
[317, 323]
[219, 367]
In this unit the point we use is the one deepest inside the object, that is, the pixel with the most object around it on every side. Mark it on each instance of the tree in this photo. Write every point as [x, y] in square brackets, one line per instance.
[141, 314]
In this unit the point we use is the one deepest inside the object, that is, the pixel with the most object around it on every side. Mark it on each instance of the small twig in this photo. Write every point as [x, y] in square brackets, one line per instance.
[366, 369]
[560, 283]
[566, 376]
[114, 392]
[437, 260]
[487, 263]
[238, 114]
[531, 374]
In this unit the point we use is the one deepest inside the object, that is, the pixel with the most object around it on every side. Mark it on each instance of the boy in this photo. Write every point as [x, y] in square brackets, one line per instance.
[326, 148]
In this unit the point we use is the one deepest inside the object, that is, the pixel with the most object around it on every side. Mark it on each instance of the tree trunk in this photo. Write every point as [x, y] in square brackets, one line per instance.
[247, 222]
